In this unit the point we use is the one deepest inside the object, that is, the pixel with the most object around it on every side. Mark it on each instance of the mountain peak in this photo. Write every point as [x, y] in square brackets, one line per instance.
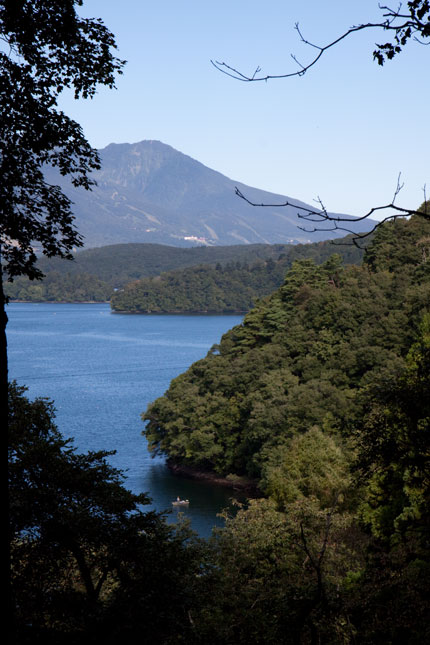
[150, 192]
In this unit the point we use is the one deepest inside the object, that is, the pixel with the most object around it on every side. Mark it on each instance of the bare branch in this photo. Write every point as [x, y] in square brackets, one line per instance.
[239, 76]
[413, 23]
[322, 216]
[404, 26]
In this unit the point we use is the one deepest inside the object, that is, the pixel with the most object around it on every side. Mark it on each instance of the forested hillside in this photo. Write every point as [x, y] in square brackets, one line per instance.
[321, 396]
[319, 402]
[232, 287]
[60, 287]
[299, 360]
[96, 273]
[118, 264]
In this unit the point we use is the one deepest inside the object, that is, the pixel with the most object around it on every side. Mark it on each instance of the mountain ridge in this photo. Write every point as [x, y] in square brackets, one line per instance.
[150, 192]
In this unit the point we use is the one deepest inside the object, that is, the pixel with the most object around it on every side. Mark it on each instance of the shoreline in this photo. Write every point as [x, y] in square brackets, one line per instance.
[59, 302]
[234, 482]
[125, 312]
[135, 312]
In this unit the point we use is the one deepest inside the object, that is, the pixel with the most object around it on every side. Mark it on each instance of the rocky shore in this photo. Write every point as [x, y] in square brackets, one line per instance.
[235, 482]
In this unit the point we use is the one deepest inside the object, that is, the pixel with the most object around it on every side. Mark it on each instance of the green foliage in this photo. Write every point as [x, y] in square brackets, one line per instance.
[394, 451]
[402, 246]
[85, 558]
[224, 278]
[48, 47]
[298, 361]
[233, 287]
[119, 264]
[277, 577]
[312, 466]
[339, 551]
[335, 352]
[57, 287]
[322, 395]
[204, 289]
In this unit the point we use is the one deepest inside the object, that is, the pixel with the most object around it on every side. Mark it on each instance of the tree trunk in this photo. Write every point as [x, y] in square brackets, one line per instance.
[3, 359]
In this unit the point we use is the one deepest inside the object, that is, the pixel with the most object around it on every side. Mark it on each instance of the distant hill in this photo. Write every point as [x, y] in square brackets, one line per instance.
[231, 287]
[150, 192]
[238, 274]
[118, 264]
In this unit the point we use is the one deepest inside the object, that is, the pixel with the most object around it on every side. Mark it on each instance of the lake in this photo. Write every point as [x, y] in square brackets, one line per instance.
[102, 370]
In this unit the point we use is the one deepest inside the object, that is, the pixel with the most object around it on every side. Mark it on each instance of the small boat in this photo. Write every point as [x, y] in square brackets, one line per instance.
[181, 502]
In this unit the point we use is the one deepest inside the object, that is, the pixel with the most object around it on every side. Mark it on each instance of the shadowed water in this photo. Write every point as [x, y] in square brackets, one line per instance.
[102, 370]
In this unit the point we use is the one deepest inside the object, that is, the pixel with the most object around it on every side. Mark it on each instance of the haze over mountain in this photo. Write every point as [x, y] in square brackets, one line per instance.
[150, 192]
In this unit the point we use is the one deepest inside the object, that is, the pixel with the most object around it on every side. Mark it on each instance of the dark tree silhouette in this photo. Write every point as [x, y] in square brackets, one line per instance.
[46, 47]
[88, 562]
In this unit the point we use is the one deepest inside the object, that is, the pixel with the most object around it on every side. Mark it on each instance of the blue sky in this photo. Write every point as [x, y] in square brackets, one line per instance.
[343, 132]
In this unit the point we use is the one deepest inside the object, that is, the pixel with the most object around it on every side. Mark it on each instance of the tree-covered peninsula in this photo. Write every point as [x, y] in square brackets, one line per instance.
[223, 278]
[321, 396]
[229, 287]
[299, 371]
[95, 274]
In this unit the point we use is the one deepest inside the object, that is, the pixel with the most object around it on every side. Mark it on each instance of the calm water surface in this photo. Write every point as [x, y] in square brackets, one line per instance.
[102, 370]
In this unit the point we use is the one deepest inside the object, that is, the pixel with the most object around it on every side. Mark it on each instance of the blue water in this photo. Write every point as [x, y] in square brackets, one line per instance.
[102, 370]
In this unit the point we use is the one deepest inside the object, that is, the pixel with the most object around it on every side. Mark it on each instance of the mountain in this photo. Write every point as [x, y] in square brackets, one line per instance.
[150, 192]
